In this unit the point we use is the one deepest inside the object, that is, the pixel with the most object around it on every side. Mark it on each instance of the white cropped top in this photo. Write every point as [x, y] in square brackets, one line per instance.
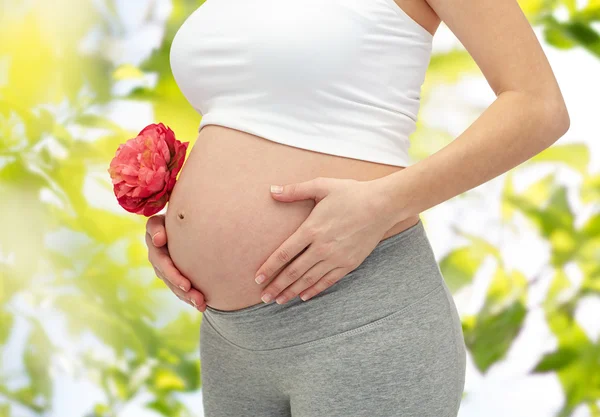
[340, 77]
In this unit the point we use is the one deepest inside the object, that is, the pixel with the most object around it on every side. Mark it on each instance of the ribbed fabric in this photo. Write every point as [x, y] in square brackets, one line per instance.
[341, 77]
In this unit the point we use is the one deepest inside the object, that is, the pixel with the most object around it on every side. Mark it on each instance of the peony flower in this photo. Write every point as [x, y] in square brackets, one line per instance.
[144, 169]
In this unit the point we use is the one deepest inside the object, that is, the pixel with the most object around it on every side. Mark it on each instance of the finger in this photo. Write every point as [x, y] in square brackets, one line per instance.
[196, 298]
[294, 271]
[314, 189]
[152, 252]
[284, 254]
[159, 274]
[155, 228]
[325, 282]
[170, 272]
[311, 277]
[161, 260]
[193, 297]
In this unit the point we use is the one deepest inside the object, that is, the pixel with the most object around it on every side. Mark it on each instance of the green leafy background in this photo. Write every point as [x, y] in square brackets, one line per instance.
[79, 301]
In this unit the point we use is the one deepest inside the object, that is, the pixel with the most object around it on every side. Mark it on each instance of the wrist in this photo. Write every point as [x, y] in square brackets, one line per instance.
[387, 201]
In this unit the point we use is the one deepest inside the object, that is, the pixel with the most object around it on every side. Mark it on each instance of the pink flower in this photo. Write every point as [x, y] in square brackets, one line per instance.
[145, 168]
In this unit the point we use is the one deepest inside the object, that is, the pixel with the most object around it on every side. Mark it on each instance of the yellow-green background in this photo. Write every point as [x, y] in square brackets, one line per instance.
[86, 329]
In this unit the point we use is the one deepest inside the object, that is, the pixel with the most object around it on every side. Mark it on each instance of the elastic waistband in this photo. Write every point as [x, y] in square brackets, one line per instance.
[399, 270]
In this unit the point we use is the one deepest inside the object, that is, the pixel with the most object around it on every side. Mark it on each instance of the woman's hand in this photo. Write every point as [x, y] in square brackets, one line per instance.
[158, 255]
[342, 229]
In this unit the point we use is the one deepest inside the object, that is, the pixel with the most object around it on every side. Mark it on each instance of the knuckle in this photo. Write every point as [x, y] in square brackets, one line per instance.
[293, 189]
[310, 280]
[268, 272]
[311, 232]
[176, 280]
[353, 262]
[173, 280]
[274, 289]
[283, 255]
[286, 295]
[323, 250]
[330, 280]
[293, 273]
[164, 258]
[173, 283]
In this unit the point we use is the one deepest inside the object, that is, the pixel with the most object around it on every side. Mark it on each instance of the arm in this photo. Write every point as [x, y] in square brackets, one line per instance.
[528, 115]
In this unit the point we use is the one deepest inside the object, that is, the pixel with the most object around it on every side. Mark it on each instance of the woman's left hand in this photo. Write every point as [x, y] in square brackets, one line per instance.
[342, 229]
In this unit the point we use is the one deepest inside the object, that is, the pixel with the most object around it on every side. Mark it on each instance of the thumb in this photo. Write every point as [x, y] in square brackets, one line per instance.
[313, 189]
[155, 227]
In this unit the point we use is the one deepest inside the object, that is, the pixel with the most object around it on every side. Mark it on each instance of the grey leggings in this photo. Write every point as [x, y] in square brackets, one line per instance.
[384, 341]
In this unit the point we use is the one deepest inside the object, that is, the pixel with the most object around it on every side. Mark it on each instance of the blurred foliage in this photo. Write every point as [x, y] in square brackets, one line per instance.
[62, 258]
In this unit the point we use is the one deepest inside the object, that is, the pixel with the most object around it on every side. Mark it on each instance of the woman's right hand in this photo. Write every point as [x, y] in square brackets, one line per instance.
[158, 255]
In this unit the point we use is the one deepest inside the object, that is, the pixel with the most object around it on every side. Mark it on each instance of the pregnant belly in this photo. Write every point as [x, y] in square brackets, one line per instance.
[221, 221]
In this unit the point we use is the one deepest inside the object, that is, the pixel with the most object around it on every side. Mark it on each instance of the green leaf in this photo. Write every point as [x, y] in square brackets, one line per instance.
[166, 379]
[556, 214]
[490, 334]
[460, 265]
[189, 371]
[558, 288]
[160, 406]
[577, 31]
[557, 38]
[555, 360]
[118, 382]
[585, 35]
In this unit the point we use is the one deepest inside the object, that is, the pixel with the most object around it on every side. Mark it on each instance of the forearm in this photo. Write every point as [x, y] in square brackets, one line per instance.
[514, 128]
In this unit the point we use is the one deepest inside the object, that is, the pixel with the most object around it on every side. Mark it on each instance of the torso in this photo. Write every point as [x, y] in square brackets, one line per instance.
[222, 223]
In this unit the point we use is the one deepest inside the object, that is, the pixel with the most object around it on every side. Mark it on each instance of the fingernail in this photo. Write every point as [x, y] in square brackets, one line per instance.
[194, 303]
[260, 279]
[153, 237]
[277, 189]
[266, 298]
[182, 288]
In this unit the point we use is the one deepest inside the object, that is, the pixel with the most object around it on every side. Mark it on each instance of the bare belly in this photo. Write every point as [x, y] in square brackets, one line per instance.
[222, 223]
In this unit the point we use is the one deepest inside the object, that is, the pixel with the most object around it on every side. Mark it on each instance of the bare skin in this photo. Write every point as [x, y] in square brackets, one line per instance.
[529, 105]
[219, 231]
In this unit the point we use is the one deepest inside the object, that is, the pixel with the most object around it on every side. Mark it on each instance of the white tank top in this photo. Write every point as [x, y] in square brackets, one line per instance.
[341, 77]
